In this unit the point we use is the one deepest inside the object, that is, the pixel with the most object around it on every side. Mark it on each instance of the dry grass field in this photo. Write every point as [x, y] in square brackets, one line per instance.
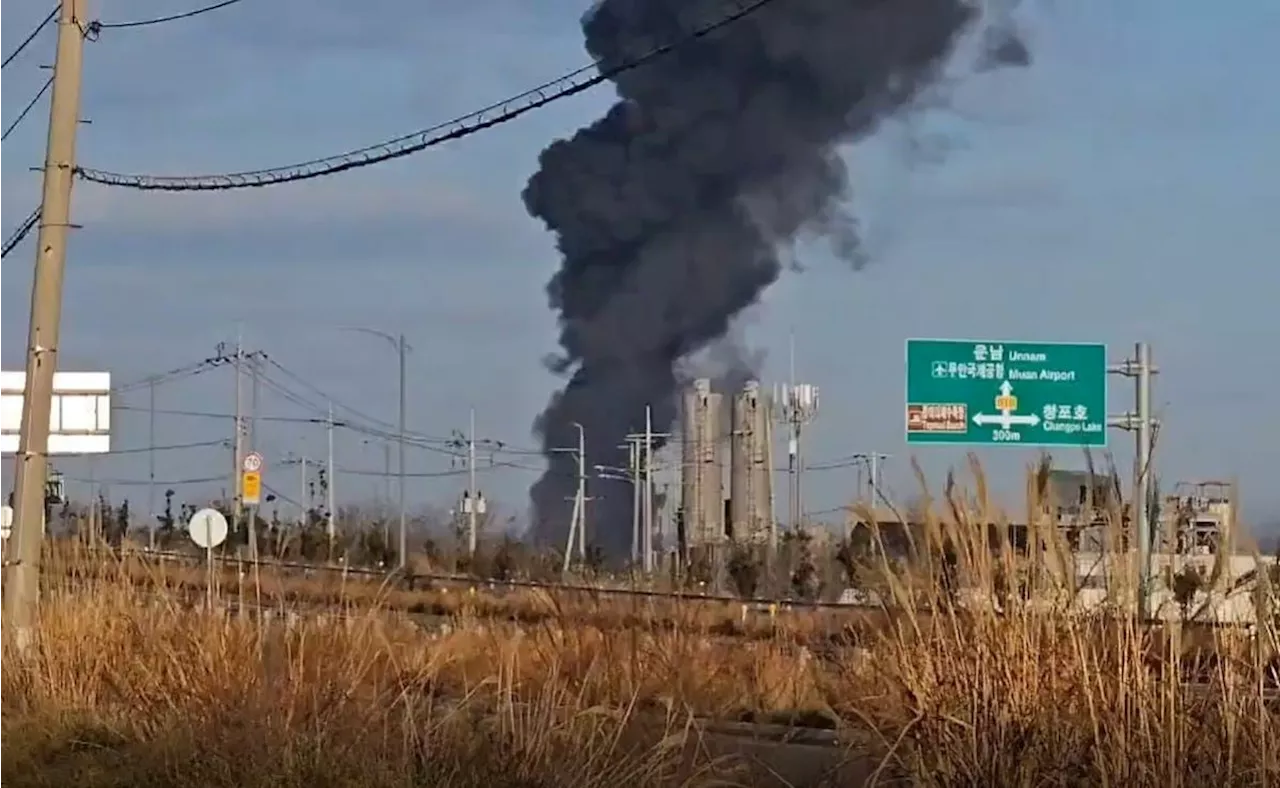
[127, 687]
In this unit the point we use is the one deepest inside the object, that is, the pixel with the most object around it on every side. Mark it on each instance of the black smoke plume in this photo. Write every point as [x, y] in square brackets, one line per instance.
[670, 210]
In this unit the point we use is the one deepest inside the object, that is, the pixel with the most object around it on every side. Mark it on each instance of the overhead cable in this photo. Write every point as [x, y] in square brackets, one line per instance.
[23, 230]
[30, 37]
[373, 425]
[27, 109]
[169, 447]
[160, 20]
[173, 375]
[433, 474]
[201, 414]
[570, 84]
[140, 482]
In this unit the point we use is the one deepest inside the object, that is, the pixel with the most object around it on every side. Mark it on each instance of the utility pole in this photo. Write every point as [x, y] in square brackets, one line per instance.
[473, 511]
[253, 400]
[386, 494]
[577, 520]
[646, 541]
[331, 524]
[151, 464]
[303, 498]
[633, 465]
[582, 493]
[237, 450]
[22, 574]
[252, 439]
[872, 459]
[643, 442]
[403, 552]
[473, 503]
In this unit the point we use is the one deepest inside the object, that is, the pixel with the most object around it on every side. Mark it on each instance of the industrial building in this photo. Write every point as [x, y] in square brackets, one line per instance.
[744, 434]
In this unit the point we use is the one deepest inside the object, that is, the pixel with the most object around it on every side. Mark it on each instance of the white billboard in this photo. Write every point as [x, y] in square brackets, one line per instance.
[80, 422]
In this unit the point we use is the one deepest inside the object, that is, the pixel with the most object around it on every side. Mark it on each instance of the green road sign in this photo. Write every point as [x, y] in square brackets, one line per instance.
[1025, 393]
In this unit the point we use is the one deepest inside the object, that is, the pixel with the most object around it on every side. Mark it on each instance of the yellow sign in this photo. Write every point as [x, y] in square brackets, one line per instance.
[251, 488]
[1006, 402]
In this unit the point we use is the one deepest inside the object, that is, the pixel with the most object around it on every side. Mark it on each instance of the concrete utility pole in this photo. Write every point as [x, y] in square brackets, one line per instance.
[22, 575]
[151, 464]
[633, 465]
[646, 539]
[473, 510]
[252, 439]
[304, 499]
[643, 442]
[576, 538]
[872, 459]
[237, 450]
[386, 494]
[254, 390]
[402, 555]
[331, 525]
[582, 493]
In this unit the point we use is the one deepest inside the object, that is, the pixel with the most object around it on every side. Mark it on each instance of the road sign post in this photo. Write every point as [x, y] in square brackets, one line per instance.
[251, 496]
[1033, 394]
[997, 392]
[251, 488]
[208, 529]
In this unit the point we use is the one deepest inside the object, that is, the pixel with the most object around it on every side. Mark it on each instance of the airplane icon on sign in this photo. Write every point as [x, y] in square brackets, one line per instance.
[939, 369]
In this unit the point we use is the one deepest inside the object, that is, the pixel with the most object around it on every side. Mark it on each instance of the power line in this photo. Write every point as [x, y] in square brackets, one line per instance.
[27, 109]
[172, 376]
[494, 466]
[573, 83]
[201, 414]
[422, 441]
[30, 37]
[23, 230]
[140, 482]
[160, 20]
[170, 447]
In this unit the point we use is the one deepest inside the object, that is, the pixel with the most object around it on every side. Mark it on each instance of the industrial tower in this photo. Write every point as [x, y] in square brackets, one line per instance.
[750, 467]
[797, 408]
[702, 474]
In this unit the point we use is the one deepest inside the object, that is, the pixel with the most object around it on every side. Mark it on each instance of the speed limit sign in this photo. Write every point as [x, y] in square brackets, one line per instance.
[252, 462]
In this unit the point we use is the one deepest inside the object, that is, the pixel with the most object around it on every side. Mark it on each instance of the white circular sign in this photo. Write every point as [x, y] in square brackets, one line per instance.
[208, 528]
[6, 522]
[252, 462]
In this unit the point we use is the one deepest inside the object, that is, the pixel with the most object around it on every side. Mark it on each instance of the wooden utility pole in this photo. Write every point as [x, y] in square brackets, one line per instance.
[22, 575]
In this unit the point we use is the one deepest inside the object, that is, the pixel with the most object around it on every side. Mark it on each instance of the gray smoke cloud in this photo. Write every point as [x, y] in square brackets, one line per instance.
[672, 211]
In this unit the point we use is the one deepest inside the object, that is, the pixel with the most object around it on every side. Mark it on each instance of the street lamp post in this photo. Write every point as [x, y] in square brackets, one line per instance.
[402, 348]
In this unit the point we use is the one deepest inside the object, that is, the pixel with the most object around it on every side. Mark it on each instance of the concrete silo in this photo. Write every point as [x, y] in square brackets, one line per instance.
[750, 472]
[702, 474]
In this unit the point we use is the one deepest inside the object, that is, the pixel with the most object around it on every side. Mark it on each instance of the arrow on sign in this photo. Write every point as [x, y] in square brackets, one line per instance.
[1006, 419]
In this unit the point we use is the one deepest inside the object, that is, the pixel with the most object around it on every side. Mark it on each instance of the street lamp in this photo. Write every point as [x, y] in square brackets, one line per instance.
[402, 348]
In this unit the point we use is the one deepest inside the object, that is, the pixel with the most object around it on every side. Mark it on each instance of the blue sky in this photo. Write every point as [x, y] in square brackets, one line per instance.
[1121, 188]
